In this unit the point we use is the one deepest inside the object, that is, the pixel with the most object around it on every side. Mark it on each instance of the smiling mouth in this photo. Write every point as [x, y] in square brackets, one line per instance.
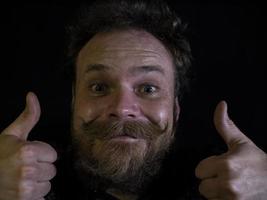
[124, 138]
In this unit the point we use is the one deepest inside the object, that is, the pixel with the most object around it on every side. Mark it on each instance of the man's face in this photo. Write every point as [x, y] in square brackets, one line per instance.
[123, 103]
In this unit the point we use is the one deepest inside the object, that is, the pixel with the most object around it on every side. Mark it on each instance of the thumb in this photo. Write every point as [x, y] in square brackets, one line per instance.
[226, 127]
[22, 126]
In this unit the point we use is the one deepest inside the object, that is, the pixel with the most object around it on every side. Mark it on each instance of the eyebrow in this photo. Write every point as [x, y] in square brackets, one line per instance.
[97, 67]
[133, 71]
[146, 69]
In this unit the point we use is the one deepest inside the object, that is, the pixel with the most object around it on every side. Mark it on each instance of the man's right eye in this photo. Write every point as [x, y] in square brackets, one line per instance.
[98, 88]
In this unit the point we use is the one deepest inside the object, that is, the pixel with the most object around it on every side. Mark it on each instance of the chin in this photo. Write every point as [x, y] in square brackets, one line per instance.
[123, 163]
[119, 159]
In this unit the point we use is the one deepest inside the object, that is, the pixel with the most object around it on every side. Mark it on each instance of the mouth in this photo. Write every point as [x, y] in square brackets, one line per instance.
[124, 138]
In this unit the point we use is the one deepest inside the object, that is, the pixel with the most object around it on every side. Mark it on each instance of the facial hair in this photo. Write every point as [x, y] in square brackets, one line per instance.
[124, 166]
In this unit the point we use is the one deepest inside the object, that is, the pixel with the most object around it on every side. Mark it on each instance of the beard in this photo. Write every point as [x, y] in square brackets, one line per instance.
[126, 166]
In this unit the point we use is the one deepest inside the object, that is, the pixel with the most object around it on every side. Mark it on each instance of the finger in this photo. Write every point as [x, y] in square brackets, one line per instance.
[47, 171]
[42, 152]
[41, 189]
[207, 168]
[209, 188]
[226, 127]
[22, 126]
[33, 190]
[40, 172]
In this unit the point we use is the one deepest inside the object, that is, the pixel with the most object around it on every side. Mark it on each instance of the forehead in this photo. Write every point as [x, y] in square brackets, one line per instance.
[125, 48]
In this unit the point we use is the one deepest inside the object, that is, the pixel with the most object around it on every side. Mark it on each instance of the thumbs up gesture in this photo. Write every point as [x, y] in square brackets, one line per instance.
[241, 172]
[25, 167]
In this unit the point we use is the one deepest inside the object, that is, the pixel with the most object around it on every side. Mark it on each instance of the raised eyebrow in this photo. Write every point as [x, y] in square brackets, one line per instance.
[147, 69]
[133, 71]
[96, 67]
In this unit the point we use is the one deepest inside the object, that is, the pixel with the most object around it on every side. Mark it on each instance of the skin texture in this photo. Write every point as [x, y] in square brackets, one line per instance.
[238, 174]
[125, 52]
[123, 76]
[27, 167]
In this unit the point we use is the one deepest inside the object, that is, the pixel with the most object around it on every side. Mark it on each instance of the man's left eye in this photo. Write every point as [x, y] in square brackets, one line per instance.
[148, 89]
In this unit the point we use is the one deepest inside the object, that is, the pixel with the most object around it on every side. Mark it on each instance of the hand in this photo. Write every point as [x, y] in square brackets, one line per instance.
[241, 172]
[25, 167]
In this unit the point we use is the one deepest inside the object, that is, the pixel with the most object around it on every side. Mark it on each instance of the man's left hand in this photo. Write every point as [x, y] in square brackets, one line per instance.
[241, 172]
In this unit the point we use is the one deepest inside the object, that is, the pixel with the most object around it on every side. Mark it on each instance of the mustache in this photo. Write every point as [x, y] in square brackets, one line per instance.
[110, 129]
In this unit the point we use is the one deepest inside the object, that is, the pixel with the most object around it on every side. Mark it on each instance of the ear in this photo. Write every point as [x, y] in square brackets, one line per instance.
[176, 109]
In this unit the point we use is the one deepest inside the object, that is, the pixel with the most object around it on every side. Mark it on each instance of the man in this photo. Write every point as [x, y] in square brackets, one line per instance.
[129, 64]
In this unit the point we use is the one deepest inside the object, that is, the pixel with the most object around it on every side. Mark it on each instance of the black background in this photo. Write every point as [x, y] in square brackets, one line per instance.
[229, 47]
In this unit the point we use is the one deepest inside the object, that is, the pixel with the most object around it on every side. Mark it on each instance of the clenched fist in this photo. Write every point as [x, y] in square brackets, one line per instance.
[238, 174]
[25, 167]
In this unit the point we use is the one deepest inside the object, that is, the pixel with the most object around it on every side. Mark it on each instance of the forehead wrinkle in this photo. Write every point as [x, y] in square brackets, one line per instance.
[122, 52]
[123, 42]
[102, 61]
[117, 49]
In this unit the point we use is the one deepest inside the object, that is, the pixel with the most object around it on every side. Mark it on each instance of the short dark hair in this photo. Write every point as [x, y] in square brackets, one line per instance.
[153, 16]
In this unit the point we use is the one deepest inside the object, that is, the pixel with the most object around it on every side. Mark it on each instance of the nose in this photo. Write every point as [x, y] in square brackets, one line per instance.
[124, 105]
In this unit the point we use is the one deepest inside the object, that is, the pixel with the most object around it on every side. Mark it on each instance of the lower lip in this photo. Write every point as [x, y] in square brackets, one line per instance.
[124, 139]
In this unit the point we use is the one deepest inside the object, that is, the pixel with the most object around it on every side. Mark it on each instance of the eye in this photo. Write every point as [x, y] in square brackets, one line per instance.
[98, 88]
[148, 89]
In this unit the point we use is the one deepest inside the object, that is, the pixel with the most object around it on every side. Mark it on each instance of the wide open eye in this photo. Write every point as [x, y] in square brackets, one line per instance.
[147, 89]
[98, 89]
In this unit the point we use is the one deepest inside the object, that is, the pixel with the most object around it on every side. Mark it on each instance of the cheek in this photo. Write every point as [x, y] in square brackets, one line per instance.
[160, 113]
[85, 110]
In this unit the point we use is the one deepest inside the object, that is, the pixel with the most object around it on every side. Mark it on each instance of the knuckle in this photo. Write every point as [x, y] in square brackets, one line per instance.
[230, 123]
[27, 172]
[25, 190]
[229, 188]
[231, 166]
[26, 151]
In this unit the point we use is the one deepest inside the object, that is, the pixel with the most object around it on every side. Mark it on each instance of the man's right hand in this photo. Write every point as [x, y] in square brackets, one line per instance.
[25, 167]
